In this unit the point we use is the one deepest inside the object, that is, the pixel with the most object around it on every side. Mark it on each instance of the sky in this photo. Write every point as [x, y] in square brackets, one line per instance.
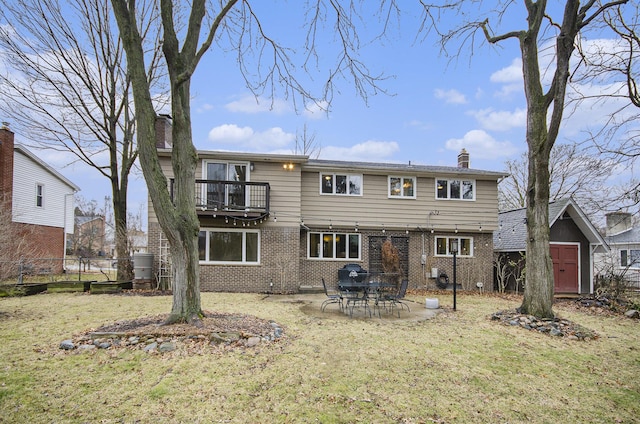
[433, 106]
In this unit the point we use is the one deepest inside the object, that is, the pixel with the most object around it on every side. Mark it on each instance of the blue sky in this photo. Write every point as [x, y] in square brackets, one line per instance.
[433, 109]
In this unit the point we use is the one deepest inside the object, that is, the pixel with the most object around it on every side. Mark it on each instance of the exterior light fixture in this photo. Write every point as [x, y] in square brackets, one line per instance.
[288, 166]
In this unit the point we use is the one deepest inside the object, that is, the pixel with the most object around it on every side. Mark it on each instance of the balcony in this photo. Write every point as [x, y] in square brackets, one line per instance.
[234, 199]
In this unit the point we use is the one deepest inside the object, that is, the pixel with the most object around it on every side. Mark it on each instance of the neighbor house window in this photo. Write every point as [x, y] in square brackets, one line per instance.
[630, 258]
[39, 195]
[443, 246]
[229, 246]
[455, 189]
[344, 184]
[334, 246]
[402, 187]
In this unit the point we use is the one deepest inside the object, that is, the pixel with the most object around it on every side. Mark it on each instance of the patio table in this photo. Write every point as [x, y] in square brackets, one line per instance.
[360, 292]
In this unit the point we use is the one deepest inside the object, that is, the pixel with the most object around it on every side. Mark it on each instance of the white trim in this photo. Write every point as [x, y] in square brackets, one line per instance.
[334, 258]
[402, 178]
[244, 231]
[333, 183]
[462, 181]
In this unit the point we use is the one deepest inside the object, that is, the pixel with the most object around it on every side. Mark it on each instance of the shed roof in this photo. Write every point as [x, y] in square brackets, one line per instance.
[512, 235]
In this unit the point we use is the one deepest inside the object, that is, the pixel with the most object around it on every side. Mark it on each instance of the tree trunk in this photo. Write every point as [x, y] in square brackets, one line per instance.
[177, 217]
[124, 267]
[184, 250]
[538, 289]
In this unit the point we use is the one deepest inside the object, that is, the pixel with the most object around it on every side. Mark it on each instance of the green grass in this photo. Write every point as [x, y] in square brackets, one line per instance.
[456, 368]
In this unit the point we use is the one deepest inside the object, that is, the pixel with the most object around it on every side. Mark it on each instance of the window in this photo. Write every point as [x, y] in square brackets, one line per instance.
[229, 195]
[443, 246]
[402, 187]
[455, 189]
[229, 246]
[39, 195]
[348, 185]
[630, 258]
[334, 246]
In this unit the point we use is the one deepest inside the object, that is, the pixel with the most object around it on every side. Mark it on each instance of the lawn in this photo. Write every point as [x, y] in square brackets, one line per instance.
[459, 367]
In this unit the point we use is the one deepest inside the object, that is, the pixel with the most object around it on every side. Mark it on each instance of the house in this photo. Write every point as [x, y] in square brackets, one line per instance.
[40, 203]
[88, 237]
[624, 240]
[573, 242]
[276, 223]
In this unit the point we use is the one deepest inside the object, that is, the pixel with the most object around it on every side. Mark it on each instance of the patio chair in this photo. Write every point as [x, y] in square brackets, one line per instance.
[396, 299]
[356, 298]
[332, 297]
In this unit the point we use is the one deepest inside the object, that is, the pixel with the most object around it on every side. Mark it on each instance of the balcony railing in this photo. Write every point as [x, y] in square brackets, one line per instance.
[238, 199]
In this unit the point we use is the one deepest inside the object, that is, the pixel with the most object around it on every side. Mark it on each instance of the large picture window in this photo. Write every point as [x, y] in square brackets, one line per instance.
[455, 189]
[334, 246]
[443, 246]
[342, 184]
[402, 187]
[229, 246]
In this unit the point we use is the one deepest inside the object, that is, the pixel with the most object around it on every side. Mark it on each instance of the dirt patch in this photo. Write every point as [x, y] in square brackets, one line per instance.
[212, 322]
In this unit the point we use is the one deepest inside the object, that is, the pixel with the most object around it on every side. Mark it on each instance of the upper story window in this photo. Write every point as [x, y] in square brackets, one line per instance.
[630, 258]
[343, 184]
[455, 189]
[39, 195]
[334, 246]
[402, 187]
[443, 246]
[229, 246]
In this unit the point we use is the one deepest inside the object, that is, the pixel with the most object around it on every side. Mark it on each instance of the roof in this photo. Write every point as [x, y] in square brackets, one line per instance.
[512, 235]
[20, 148]
[630, 236]
[313, 164]
[323, 164]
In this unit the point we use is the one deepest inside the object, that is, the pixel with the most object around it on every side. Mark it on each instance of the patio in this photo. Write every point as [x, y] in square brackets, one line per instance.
[311, 305]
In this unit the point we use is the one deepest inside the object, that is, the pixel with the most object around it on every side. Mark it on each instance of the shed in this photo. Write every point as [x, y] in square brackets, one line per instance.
[573, 242]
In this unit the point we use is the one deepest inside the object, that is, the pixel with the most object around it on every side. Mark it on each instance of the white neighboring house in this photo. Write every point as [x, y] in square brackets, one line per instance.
[624, 240]
[41, 201]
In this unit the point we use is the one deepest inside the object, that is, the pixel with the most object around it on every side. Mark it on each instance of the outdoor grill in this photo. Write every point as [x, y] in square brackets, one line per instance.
[345, 273]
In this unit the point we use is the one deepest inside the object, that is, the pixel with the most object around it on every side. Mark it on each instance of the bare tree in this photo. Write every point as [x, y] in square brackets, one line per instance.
[573, 172]
[545, 107]
[306, 144]
[67, 89]
[614, 69]
[238, 24]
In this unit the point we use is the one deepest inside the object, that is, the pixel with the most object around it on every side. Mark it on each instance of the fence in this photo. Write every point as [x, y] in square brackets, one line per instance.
[28, 270]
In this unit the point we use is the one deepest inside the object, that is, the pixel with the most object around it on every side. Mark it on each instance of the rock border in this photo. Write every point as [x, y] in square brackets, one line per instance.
[554, 327]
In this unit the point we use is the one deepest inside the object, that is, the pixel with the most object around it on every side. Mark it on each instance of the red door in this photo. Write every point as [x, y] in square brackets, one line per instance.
[565, 267]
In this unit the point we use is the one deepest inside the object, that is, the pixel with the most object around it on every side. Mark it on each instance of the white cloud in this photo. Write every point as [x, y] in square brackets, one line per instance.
[496, 120]
[482, 145]
[370, 150]
[247, 138]
[510, 74]
[252, 104]
[230, 133]
[450, 96]
[316, 110]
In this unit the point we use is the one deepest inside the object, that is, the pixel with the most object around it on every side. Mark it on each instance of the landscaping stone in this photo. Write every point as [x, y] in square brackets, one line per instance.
[554, 327]
[167, 347]
[67, 345]
[150, 347]
[632, 313]
[253, 341]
